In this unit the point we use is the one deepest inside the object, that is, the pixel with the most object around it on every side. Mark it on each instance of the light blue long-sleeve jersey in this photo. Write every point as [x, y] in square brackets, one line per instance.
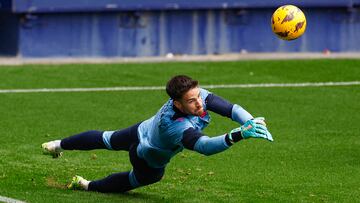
[161, 136]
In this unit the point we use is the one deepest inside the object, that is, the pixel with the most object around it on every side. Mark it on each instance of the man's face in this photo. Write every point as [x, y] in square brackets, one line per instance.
[191, 102]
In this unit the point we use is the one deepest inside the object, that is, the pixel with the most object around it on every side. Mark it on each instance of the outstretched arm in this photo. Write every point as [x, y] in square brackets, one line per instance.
[197, 141]
[223, 107]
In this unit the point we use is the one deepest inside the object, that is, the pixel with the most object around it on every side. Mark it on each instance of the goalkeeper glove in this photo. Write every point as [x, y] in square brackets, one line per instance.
[255, 128]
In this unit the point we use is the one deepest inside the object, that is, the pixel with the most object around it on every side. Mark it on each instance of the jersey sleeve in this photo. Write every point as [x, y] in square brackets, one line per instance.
[197, 141]
[190, 137]
[223, 107]
[218, 105]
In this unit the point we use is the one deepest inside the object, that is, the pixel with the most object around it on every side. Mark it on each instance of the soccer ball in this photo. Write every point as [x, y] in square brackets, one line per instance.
[288, 22]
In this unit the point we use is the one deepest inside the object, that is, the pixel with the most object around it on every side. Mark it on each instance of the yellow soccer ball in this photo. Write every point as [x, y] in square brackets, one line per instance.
[288, 22]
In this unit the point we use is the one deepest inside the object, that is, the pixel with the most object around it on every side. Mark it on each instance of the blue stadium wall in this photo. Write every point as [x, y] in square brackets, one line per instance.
[130, 28]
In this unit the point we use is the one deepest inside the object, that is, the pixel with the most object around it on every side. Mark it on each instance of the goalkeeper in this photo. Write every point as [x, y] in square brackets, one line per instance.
[152, 143]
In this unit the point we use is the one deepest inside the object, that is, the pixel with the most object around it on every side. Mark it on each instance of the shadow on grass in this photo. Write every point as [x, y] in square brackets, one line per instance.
[126, 197]
[130, 196]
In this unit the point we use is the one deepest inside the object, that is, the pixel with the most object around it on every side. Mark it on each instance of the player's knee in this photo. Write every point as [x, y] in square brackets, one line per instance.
[151, 178]
[156, 178]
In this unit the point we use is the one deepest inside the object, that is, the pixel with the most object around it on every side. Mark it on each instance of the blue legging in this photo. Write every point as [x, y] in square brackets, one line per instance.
[126, 139]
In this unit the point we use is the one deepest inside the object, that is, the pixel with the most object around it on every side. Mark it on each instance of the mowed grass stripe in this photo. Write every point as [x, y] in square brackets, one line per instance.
[144, 88]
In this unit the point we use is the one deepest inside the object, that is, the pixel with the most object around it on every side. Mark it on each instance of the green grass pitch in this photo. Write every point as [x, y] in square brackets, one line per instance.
[315, 156]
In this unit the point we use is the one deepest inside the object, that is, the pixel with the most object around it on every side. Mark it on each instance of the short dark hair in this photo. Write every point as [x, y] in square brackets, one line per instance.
[178, 85]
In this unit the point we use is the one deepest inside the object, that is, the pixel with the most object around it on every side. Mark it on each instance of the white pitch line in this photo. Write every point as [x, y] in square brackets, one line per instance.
[144, 88]
[9, 200]
[306, 84]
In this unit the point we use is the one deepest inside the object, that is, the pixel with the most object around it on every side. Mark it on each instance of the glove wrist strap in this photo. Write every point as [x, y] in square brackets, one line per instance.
[232, 138]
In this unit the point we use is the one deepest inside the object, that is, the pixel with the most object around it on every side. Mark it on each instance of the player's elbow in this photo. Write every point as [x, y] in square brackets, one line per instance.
[200, 146]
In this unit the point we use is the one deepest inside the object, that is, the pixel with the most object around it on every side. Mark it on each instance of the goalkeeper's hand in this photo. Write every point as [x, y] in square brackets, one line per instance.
[255, 128]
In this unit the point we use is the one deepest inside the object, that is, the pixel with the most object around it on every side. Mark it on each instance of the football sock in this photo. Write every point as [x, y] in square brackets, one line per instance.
[84, 141]
[57, 145]
[118, 182]
[84, 183]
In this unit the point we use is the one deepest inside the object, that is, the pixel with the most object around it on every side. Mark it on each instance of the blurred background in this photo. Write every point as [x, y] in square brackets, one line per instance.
[137, 28]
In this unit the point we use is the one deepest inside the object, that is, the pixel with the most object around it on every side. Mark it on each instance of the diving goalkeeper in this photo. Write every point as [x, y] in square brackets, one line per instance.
[152, 143]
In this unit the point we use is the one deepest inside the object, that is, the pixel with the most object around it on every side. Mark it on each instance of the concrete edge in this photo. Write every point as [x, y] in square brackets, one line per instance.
[178, 58]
